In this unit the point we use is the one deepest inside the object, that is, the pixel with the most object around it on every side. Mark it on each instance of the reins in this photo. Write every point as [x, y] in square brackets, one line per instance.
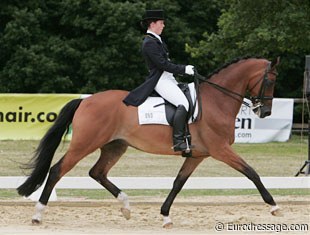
[226, 91]
[259, 98]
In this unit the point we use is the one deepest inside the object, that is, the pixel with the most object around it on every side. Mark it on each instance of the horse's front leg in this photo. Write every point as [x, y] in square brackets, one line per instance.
[186, 170]
[228, 156]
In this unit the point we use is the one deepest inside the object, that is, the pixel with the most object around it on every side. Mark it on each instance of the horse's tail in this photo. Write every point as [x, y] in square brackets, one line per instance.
[41, 161]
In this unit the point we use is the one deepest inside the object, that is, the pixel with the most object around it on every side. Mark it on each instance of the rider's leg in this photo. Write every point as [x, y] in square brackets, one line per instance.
[179, 122]
[168, 89]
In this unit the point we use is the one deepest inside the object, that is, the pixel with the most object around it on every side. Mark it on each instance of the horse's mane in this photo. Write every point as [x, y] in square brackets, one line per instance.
[232, 62]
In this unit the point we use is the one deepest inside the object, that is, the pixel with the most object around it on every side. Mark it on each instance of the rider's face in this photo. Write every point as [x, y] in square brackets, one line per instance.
[157, 27]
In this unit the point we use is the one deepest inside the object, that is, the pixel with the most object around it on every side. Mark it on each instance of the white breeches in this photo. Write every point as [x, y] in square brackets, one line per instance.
[168, 89]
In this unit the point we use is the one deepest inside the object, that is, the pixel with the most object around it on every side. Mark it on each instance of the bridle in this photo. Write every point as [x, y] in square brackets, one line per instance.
[257, 101]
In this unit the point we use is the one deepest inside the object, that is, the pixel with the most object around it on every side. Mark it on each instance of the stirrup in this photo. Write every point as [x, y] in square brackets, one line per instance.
[177, 147]
[188, 146]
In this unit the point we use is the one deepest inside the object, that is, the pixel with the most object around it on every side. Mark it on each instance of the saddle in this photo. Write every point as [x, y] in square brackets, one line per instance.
[156, 110]
[170, 108]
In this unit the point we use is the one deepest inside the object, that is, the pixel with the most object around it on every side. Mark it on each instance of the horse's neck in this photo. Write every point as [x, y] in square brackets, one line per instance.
[235, 79]
[217, 101]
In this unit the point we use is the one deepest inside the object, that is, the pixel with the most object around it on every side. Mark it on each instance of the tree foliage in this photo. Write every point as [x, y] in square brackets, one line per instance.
[264, 28]
[70, 46]
[85, 46]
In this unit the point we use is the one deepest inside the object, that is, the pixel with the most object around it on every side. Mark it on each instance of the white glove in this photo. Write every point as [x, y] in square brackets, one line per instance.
[189, 69]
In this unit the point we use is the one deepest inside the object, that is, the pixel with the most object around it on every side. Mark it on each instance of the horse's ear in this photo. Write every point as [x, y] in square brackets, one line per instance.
[275, 62]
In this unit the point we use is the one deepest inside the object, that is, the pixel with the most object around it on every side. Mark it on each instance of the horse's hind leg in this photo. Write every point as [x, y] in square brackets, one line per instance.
[110, 154]
[186, 170]
[232, 159]
[52, 179]
[64, 165]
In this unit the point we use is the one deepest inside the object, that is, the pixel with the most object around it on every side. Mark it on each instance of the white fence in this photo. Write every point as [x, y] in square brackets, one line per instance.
[167, 182]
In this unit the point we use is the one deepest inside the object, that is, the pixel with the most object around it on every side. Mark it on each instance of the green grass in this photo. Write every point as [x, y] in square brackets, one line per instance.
[269, 159]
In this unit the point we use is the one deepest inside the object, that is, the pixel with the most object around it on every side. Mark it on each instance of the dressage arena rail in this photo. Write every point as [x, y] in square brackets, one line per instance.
[9, 182]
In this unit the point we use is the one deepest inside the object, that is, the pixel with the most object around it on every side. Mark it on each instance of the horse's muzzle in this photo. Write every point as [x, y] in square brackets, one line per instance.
[262, 111]
[265, 111]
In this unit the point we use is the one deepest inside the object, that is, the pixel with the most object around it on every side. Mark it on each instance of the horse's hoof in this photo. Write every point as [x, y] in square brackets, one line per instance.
[167, 222]
[168, 225]
[275, 210]
[126, 213]
[36, 221]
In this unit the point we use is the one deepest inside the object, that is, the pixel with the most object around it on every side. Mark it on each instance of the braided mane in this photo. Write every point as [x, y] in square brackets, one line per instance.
[232, 62]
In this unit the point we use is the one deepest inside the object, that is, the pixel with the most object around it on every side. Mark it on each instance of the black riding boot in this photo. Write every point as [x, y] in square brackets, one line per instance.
[179, 123]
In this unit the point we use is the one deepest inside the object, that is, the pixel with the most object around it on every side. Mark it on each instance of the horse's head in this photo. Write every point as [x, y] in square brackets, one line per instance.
[261, 88]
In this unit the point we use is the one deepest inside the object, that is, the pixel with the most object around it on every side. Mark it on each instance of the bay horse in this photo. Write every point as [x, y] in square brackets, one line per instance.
[102, 121]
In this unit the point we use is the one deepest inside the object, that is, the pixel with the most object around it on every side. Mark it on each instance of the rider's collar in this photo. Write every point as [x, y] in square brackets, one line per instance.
[154, 34]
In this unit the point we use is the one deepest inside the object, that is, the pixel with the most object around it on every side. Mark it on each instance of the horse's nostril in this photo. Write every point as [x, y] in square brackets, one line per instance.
[265, 114]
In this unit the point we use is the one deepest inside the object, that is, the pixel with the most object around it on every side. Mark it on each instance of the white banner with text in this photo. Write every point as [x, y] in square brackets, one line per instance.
[249, 128]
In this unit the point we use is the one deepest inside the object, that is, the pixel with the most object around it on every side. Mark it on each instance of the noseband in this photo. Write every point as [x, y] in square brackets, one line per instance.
[258, 100]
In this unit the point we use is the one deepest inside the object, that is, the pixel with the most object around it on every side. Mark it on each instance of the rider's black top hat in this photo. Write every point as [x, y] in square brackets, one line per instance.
[153, 15]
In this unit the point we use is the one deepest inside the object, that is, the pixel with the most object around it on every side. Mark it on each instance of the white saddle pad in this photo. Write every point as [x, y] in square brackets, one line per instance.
[151, 112]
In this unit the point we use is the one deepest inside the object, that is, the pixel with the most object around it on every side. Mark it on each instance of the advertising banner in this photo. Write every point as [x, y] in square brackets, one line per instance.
[28, 116]
[249, 128]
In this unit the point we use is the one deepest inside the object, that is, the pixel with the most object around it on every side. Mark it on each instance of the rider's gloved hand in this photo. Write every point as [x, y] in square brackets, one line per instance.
[189, 69]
